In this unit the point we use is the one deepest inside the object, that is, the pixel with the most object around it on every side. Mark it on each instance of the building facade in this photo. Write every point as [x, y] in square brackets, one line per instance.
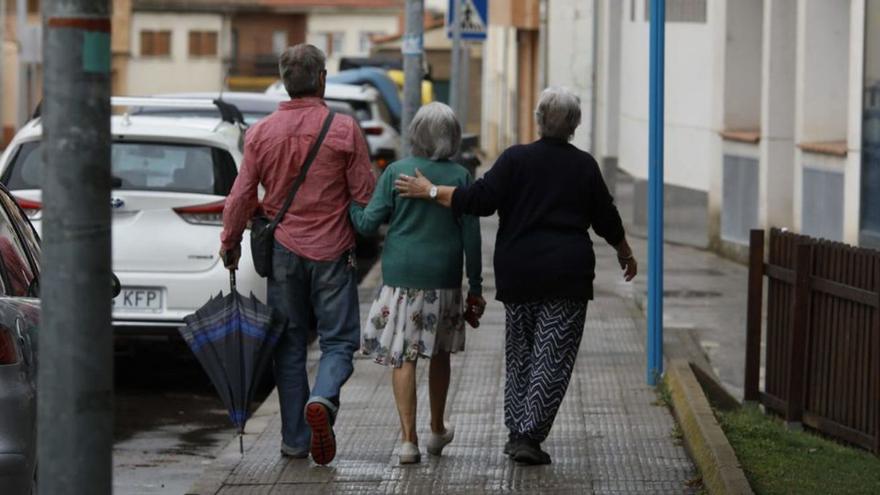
[772, 108]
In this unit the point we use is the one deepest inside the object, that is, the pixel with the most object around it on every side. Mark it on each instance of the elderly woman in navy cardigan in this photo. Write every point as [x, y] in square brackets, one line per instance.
[547, 195]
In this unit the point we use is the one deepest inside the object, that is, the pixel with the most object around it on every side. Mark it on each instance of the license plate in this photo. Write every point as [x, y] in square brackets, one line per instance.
[137, 298]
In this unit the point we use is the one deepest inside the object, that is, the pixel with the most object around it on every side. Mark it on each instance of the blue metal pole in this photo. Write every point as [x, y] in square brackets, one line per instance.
[655, 194]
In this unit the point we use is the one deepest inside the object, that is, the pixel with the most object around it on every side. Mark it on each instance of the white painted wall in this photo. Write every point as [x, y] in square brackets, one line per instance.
[500, 97]
[692, 80]
[823, 39]
[608, 78]
[853, 179]
[742, 85]
[352, 25]
[179, 72]
[777, 145]
[570, 58]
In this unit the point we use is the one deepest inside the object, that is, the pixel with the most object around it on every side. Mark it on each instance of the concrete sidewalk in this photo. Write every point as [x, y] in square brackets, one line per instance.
[610, 435]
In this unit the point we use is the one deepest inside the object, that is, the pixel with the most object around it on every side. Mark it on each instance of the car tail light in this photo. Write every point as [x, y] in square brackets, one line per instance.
[206, 214]
[8, 349]
[31, 208]
[381, 163]
[373, 130]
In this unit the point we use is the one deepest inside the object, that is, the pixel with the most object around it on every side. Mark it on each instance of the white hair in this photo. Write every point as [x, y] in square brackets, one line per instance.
[434, 132]
[558, 113]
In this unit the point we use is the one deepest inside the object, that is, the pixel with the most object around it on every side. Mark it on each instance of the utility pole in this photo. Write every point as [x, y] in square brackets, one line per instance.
[455, 77]
[23, 82]
[464, 84]
[75, 393]
[413, 49]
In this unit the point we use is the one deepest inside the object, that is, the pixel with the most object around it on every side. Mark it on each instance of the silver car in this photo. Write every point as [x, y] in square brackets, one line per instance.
[19, 316]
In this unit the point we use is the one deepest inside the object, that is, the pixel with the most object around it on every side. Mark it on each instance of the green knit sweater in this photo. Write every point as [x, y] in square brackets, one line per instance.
[425, 243]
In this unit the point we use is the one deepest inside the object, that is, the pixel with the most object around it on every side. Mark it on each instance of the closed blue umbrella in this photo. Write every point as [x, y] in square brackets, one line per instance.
[233, 338]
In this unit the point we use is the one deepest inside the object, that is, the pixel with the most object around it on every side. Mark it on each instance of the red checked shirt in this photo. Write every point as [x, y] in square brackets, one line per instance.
[316, 226]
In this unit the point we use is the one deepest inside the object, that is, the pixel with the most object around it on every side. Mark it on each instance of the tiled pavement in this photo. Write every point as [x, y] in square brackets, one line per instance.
[610, 435]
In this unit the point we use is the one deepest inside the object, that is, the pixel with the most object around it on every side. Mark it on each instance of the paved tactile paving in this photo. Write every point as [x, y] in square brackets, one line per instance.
[609, 438]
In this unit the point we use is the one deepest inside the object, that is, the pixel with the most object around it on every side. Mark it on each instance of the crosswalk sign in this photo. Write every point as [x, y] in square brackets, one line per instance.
[474, 19]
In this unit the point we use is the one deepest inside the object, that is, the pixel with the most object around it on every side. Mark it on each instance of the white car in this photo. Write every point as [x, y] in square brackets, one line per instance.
[370, 111]
[171, 176]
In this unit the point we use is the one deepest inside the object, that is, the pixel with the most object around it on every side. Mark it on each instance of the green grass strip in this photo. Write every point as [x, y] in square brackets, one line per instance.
[778, 460]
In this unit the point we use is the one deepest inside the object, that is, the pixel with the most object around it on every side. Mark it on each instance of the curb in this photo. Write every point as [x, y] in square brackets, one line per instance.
[210, 482]
[703, 436]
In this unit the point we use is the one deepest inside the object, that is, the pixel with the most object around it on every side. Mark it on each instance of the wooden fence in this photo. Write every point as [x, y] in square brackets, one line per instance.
[822, 355]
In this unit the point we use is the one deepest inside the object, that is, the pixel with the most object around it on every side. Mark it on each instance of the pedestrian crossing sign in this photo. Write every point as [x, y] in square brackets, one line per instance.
[474, 19]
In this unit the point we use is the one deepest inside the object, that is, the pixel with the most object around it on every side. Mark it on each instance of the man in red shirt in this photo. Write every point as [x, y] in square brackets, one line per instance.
[313, 262]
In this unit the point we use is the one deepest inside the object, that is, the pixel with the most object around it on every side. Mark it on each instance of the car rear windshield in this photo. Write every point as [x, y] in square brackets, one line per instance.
[362, 111]
[141, 166]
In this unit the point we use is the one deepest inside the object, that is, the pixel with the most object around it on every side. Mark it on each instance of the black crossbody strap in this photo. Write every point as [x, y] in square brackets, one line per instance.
[313, 152]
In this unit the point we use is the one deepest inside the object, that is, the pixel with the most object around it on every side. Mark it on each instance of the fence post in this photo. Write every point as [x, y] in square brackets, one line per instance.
[875, 364]
[753, 316]
[794, 410]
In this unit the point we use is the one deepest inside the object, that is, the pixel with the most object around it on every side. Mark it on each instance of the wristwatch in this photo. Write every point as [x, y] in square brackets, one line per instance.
[432, 193]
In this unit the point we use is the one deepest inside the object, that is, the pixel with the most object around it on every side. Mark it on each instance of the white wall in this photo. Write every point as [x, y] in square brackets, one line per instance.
[570, 54]
[823, 69]
[352, 25]
[742, 85]
[692, 79]
[177, 72]
[777, 114]
[608, 78]
[499, 129]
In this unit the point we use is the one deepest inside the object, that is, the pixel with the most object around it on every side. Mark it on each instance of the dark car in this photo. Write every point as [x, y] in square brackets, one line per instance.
[19, 317]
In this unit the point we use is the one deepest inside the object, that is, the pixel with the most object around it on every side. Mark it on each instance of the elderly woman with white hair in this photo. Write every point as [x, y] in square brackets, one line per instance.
[547, 195]
[419, 310]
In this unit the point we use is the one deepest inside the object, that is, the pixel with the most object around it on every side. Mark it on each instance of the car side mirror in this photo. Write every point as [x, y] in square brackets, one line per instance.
[117, 286]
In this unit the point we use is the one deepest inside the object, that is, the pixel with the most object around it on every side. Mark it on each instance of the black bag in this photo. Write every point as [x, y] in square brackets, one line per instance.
[262, 229]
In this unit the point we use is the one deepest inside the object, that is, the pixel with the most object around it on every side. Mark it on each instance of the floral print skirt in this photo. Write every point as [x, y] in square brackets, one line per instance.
[404, 324]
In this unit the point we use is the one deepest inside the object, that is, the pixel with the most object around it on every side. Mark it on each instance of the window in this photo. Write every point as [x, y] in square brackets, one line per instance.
[365, 43]
[337, 41]
[331, 43]
[203, 43]
[681, 11]
[155, 43]
[279, 42]
[143, 166]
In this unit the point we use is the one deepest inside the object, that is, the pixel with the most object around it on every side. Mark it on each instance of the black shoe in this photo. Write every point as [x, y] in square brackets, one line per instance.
[510, 447]
[529, 452]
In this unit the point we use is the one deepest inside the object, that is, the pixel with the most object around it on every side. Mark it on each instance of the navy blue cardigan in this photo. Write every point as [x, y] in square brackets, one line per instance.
[547, 195]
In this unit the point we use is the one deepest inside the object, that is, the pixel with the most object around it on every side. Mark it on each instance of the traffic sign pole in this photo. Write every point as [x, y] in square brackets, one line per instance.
[455, 77]
[655, 193]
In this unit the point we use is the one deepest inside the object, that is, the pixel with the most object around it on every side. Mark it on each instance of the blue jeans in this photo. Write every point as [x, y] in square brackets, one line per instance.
[299, 288]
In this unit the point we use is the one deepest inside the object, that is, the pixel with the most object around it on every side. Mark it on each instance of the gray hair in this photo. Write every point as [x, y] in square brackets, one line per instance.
[434, 132]
[301, 67]
[558, 113]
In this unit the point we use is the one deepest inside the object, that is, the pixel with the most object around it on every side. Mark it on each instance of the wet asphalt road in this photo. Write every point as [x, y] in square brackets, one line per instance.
[169, 423]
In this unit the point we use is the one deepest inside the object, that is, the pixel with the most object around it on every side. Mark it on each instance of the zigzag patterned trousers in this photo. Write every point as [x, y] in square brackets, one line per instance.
[541, 347]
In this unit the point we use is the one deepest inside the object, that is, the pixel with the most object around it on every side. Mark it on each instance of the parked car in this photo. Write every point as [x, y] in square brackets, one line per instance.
[19, 317]
[171, 175]
[379, 80]
[375, 120]
[253, 106]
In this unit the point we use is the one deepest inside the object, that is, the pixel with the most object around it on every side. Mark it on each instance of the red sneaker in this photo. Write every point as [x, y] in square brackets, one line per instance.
[323, 447]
